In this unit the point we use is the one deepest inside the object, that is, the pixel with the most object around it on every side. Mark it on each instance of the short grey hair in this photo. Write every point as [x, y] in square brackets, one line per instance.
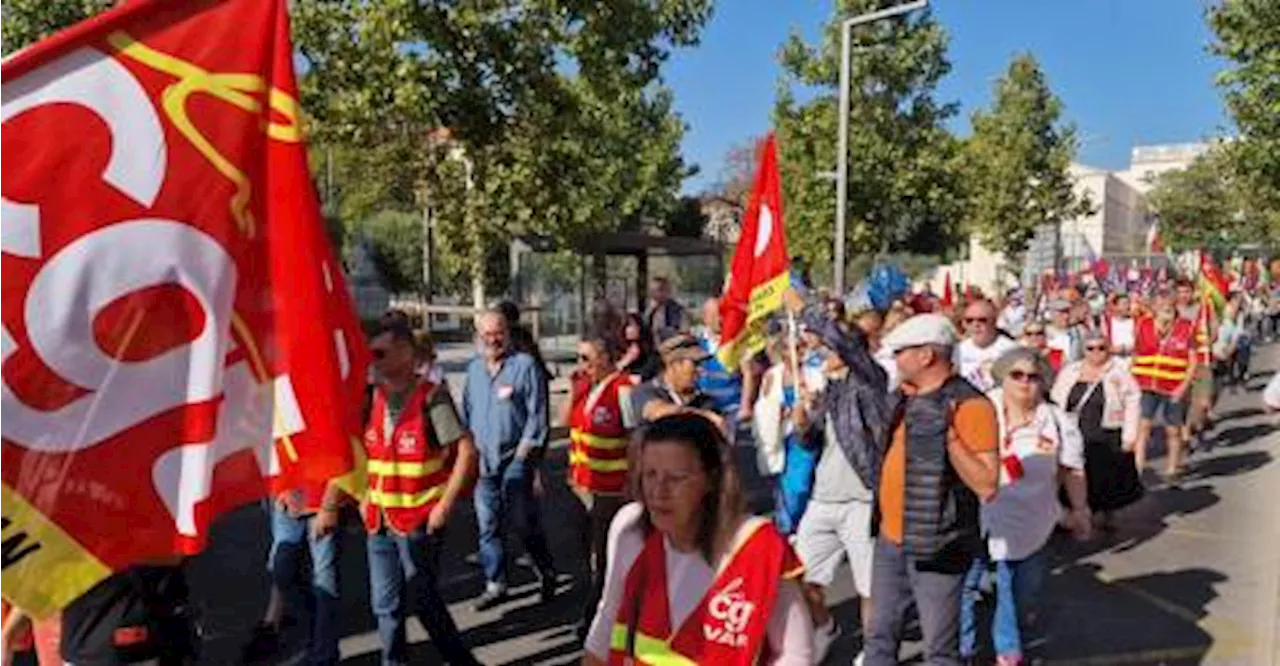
[492, 313]
[1000, 369]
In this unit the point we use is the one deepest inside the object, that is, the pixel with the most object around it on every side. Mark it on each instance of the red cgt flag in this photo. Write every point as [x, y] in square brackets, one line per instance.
[177, 330]
[759, 273]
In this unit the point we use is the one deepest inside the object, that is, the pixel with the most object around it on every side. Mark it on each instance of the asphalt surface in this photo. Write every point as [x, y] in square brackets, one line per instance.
[1191, 575]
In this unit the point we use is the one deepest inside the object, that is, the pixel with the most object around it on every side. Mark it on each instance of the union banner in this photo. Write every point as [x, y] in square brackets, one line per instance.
[177, 333]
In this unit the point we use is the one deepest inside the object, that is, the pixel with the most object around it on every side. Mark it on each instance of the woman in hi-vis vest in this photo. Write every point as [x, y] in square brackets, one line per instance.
[691, 577]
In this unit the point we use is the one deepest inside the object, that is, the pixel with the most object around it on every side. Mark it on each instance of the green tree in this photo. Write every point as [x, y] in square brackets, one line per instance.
[1017, 162]
[1208, 205]
[26, 21]
[903, 185]
[1248, 37]
[557, 105]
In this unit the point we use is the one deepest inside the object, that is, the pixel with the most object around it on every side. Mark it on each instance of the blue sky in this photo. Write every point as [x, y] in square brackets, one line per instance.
[1130, 72]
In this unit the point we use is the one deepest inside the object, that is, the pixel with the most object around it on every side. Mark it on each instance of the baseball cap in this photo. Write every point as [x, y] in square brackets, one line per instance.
[682, 347]
[921, 329]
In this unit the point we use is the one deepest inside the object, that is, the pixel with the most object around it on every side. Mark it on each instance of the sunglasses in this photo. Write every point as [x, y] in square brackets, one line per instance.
[1096, 348]
[977, 320]
[1035, 332]
[1024, 377]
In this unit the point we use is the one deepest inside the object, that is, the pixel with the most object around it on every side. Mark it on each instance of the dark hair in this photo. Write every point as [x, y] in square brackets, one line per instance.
[393, 316]
[607, 344]
[646, 337]
[1183, 282]
[400, 331]
[509, 311]
[726, 506]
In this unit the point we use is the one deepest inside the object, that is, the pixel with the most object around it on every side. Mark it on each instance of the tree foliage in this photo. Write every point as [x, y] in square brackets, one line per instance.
[1208, 205]
[1017, 162]
[904, 192]
[737, 175]
[558, 106]
[27, 21]
[1248, 37]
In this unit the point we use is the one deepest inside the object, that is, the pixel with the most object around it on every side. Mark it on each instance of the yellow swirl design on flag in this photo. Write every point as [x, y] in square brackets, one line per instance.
[233, 88]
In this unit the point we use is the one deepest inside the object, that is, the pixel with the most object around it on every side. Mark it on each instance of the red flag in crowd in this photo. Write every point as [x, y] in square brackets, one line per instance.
[177, 330]
[759, 273]
[947, 298]
[1154, 245]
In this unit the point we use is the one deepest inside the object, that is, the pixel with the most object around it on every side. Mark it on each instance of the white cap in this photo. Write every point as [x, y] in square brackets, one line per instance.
[921, 329]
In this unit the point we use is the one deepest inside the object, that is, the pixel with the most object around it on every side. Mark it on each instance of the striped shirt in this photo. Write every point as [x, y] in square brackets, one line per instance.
[723, 386]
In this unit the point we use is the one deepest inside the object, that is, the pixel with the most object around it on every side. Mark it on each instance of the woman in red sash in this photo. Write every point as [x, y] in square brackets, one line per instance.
[691, 577]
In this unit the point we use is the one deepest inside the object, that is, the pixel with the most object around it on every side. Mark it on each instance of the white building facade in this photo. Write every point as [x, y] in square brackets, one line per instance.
[1116, 229]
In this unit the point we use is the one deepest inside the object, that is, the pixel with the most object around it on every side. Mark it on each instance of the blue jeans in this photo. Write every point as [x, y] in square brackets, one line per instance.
[794, 486]
[507, 498]
[1017, 586]
[411, 562]
[289, 533]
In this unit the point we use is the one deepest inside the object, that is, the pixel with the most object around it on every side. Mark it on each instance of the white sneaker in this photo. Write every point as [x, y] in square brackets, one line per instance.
[823, 637]
[857, 661]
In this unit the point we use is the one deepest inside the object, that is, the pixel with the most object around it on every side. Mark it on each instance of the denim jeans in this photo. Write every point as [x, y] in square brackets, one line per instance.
[289, 534]
[403, 578]
[897, 580]
[505, 499]
[1017, 587]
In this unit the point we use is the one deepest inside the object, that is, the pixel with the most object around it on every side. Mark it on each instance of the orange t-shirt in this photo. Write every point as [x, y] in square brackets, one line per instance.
[975, 425]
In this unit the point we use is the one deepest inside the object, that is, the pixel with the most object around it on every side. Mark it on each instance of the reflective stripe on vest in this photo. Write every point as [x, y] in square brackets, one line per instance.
[1153, 366]
[406, 474]
[598, 441]
[388, 500]
[649, 650]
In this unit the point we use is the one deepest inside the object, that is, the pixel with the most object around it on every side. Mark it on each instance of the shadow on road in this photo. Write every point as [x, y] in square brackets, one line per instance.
[1150, 619]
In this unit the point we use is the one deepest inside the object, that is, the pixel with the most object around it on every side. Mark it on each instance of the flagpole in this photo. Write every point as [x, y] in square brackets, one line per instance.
[794, 343]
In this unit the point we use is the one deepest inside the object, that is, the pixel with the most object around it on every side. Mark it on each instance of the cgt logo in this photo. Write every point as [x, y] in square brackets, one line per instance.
[732, 612]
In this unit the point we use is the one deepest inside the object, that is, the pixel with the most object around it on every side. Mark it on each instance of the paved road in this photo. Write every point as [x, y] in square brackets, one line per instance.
[1192, 575]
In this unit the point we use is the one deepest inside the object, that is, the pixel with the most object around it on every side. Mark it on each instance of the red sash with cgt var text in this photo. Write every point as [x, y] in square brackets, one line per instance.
[727, 626]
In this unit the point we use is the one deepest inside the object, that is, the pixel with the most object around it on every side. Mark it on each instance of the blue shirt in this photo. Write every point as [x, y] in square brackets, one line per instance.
[717, 382]
[505, 411]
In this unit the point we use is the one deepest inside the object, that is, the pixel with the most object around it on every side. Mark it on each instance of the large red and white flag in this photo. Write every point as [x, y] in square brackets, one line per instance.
[176, 330]
[760, 271]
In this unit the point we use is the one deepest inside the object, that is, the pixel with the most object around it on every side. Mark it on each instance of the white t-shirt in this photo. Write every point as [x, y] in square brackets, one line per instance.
[974, 362]
[789, 631]
[1020, 519]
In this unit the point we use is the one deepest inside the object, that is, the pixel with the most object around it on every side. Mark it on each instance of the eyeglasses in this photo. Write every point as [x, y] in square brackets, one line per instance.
[977, 320]
[378, 354]
[1023, 377]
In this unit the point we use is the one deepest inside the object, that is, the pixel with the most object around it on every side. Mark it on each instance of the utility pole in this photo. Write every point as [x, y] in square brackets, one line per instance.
[842, 158]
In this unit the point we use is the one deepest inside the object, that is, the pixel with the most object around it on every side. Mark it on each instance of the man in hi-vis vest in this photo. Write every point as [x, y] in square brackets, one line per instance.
[420, 461]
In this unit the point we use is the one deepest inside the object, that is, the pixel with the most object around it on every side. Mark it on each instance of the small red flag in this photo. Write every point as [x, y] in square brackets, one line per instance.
[947, 298]
[759, 273]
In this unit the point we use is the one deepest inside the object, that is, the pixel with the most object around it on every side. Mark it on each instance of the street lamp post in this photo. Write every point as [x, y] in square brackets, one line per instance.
[842, 159]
